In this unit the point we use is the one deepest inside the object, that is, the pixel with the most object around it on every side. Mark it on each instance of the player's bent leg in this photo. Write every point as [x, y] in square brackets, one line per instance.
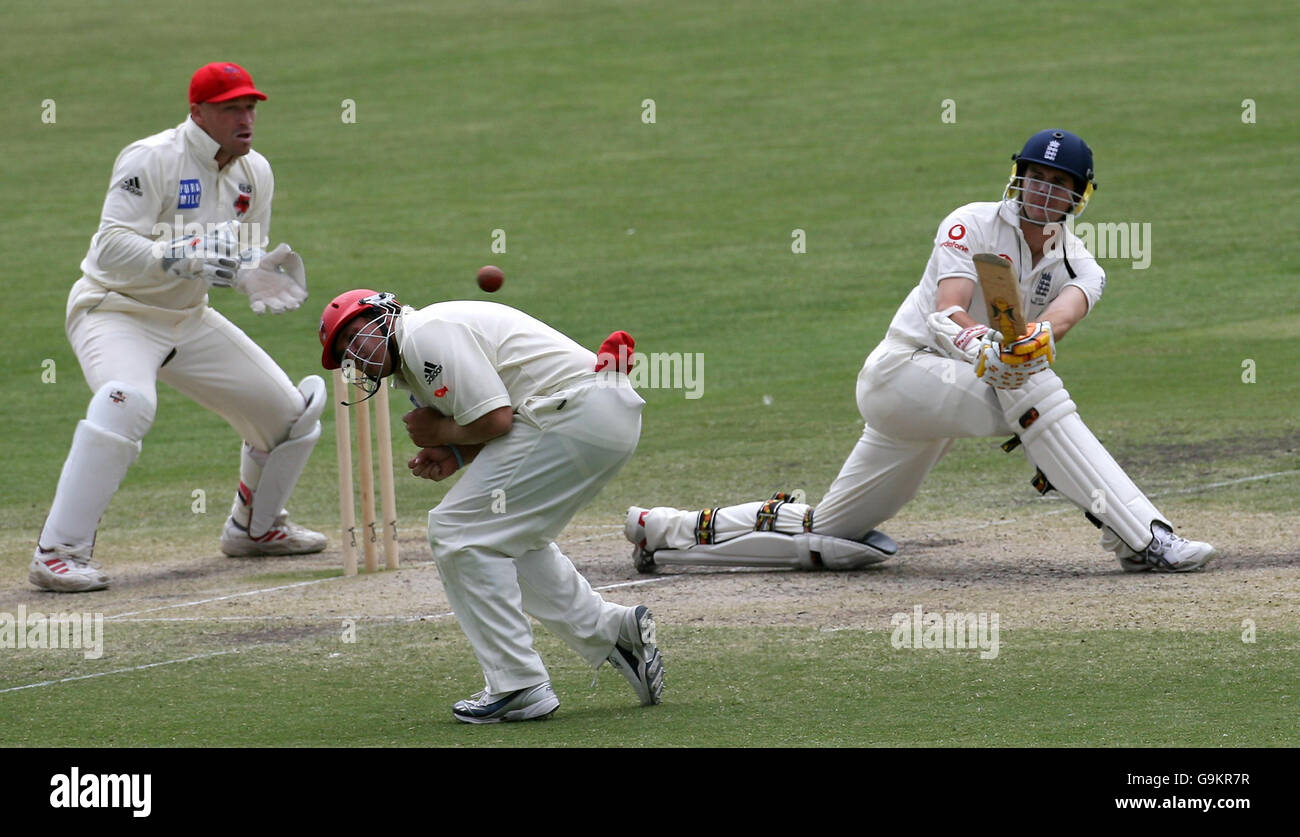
[484, 593]
[1076, 464]
[224, 370]
[773, 550]
[880, 476]
[104, 445]
[556, 594]
[258, 522]
[775, 534]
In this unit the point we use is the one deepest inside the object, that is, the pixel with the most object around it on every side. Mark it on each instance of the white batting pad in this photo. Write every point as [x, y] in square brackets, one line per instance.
[772, 549]
[671, 528]
[1074, 461]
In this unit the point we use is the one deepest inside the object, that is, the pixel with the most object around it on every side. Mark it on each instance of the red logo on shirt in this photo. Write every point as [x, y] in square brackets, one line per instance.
[957, 232]
[1005, 256]
[241, 204]
[440, 392]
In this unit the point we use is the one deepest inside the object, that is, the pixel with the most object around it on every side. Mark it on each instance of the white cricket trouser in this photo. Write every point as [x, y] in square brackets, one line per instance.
[215, 363]
[198, 352]
[493, 534]
[915, 404]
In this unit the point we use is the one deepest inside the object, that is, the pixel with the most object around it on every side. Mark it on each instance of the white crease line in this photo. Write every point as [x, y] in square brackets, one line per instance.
[221, 598]
[425, 618]
[1194, 489]
[123, 670]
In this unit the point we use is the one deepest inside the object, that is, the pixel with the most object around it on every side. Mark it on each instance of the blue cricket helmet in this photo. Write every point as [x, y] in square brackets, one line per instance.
[1060, 150]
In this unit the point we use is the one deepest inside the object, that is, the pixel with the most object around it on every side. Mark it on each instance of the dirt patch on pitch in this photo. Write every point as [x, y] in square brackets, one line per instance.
[1042, 569]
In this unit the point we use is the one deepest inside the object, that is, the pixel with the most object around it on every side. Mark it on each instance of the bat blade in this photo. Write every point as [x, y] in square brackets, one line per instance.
[1001, 291]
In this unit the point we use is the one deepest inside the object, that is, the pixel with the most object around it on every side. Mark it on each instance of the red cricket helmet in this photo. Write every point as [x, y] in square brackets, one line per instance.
[342, 309]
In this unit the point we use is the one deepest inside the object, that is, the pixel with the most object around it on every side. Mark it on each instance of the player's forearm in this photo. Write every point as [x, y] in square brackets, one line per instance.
[956, 291]
[1066, 310]
[126, 255]
[483, 429]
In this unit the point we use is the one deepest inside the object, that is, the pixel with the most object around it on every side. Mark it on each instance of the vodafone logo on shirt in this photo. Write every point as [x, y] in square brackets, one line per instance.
[957, 232]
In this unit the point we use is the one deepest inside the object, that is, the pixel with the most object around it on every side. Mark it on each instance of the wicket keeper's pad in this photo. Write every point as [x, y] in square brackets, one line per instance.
[104, 445]
[777, 549]
[286, 461]
[1058, 442]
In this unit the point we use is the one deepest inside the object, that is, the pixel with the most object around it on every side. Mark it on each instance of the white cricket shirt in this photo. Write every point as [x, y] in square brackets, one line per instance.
[467, 358]
[160, 183]
[993, 227]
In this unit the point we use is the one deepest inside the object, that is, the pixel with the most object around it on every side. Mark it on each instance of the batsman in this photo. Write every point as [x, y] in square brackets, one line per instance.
[954, 364]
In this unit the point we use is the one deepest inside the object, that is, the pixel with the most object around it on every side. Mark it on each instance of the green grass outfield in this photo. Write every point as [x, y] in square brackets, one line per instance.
[770, 117]
[727, 688]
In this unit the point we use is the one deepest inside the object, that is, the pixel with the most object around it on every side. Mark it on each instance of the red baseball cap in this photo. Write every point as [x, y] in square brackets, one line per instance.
[220, 82]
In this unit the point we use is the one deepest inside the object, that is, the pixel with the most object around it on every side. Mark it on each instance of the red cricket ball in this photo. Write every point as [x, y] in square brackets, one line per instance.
[490, 278]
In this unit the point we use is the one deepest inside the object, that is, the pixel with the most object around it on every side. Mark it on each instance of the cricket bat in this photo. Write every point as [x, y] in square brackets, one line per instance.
[1001, 291]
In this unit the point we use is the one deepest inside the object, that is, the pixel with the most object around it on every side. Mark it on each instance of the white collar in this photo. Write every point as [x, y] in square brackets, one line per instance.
[204, 147]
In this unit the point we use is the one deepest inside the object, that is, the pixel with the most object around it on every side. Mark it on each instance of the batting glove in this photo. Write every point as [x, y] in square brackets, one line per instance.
[1035, 343]
[212, 258]
[968, 341]
[1003, 369]
[954, 341]
[275, 281]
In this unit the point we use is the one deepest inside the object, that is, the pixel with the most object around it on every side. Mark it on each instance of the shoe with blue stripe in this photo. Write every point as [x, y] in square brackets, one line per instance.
[637, 658]
[535, 703]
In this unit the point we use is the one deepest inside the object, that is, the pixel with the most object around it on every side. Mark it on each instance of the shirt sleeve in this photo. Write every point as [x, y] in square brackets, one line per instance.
[1091, 279]
[127, 224]
[953, 247]
[463, 379]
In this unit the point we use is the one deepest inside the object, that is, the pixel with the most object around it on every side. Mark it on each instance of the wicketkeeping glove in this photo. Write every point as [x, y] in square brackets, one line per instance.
[274, 281]
[213, 257]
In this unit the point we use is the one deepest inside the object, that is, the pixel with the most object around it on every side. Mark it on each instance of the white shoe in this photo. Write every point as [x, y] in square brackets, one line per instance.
[283, 538]
[637, 657]
[1167, 552]
[534, 703]
[65, 573]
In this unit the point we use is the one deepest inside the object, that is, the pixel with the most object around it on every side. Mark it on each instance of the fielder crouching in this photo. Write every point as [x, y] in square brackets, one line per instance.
[539, 432]
[187, 210]
[942, 374]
